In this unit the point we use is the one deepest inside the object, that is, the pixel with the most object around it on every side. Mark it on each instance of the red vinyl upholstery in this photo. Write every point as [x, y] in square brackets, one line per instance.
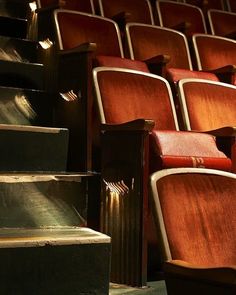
[187, 18]
[195, 217]
[169, 149]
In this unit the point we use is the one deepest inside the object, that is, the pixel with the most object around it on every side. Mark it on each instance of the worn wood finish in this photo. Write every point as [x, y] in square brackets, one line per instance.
[124, 203]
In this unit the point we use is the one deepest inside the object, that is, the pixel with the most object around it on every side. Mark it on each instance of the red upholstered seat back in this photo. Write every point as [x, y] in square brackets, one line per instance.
[209, 105]
[147, 41]
[127, 96]
[172, 14]
[77, 5]
[139, 10]
[76, 28]
[213, 52]
[232, 5]
[199, 217]
[223, 23]
[209, 4]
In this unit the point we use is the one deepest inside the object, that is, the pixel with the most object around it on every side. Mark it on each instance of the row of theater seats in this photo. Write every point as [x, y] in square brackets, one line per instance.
[130, 103]
[184, 17]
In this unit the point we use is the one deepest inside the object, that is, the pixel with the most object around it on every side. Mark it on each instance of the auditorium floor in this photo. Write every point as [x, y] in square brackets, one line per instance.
[156, 287]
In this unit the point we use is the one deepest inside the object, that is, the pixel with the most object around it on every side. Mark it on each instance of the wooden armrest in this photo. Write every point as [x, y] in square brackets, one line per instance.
[231, 35]
[135, 125]
[47, 8]
[225, 74]
[224, 131]
[231, 69]
[218, 274]
[182, 27]
[85, 47]
[121, 17]
[162, 59]
[157, 64]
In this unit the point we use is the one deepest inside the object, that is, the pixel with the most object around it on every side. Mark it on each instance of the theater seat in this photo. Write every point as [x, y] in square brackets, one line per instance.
[210, 107]
[216, 55]
[165, 51]
[84, 41]
[222, 23]
[77, 5]
[206, 5]
[194, 211]
[183, 17]
[124, 11]
[130, 103]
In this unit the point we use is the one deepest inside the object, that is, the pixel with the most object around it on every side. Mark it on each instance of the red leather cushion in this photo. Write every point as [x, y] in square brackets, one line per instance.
[174, 75]
[118, 62]
[171, 149]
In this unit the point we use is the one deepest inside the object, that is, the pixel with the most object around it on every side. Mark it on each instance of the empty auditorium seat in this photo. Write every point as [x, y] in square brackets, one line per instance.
[205, 5]
[77, 5]
[165, 51]
[222, 23]
[183, 17]
[84, 41]
[123, 11]
[211, 107]
[194, 212]
[43, 16]
[217, 55]
[130, 103]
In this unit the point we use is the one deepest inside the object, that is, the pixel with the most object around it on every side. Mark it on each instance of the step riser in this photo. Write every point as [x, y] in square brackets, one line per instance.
[28, 150]
[42, 201]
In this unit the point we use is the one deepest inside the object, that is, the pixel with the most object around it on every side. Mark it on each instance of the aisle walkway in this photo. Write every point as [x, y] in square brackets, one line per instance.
[157, 288]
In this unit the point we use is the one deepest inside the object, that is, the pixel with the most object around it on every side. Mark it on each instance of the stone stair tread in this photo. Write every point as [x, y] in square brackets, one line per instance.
[52, 236]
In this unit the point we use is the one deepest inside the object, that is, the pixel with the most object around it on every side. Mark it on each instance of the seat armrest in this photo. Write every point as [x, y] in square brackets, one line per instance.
[47, 8]
[225, 74]
[219, 274]
[82, 48]
[135, 125]
[224, 131]
[121, 18]
[182, 27]
[231, 35]
[226, 69]
[157, 64]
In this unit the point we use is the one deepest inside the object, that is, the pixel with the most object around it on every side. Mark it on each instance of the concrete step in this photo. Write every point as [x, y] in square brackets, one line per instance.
[30, 148]
[25, 107]
[43, 200]
[55, 261]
